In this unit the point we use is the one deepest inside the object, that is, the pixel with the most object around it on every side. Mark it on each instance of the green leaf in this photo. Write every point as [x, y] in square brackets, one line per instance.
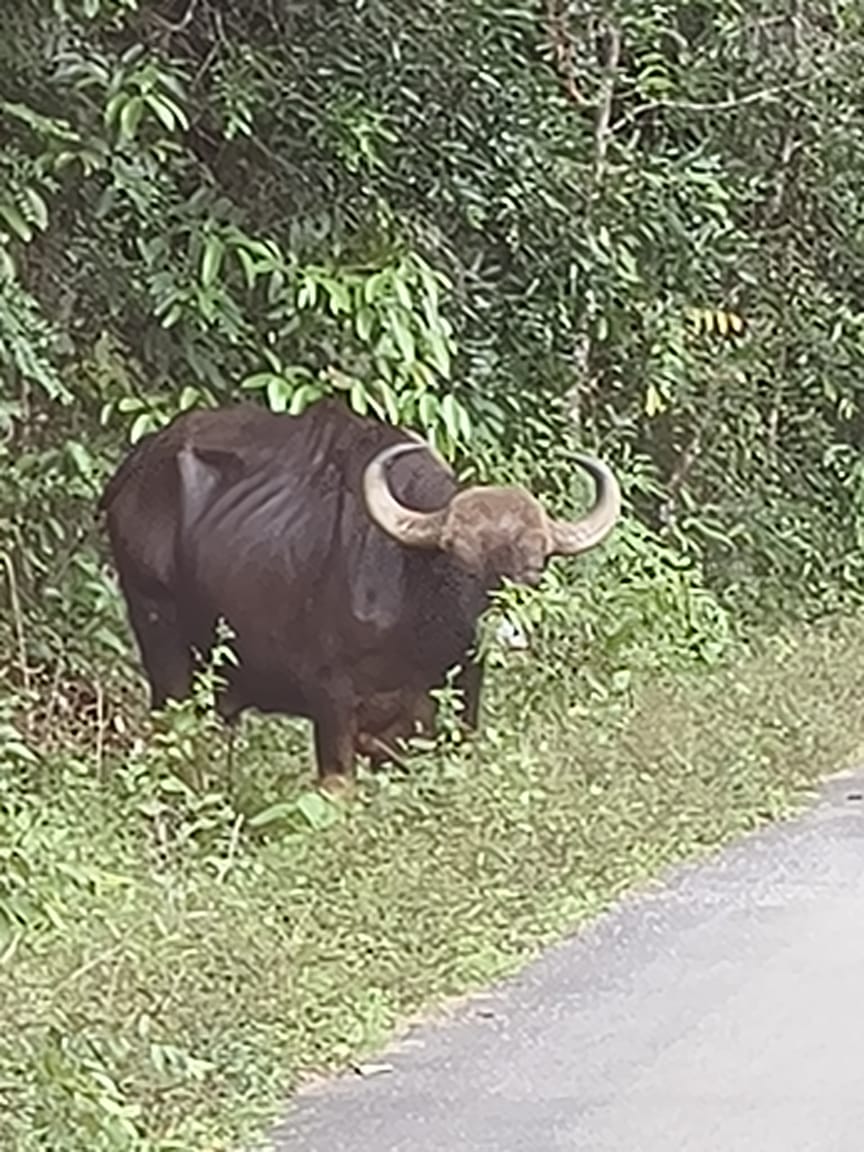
[654, 402]
[403, 294]
[142, 424]
[273, 360]
[257, 381]
[388, 398]
[307, 294]
[318, 812]
[128, 404]
[250, 269]
[428, 409]
[364, 321]
[81, 458]
[172, 315]
[375, 287]
[358, 398]
[130, 117]
[112, 108]
[211, 259]
[189, 397]
[422, 374]
[16, 221]
[403, 336]
[7, 265]
[338, 297]
[440, 353]
[303, 396]
[277, 813]
[169, 112]
[38, 208]
[275, 285]
[278, 394]
[162, 109]
[450, 415]
[465, 429]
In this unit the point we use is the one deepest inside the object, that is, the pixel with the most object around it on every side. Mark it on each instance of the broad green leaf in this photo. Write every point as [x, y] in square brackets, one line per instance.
[130, 117]
[440, 353]
[464, 422]
[16, 221]
[403, 336]
[428, 409]
[256, 381]
[358, 398]
[450, 415]
[172, 315]
[278, 394]
[403, 293]
[250, 269]
[142, 424]
[130, 404]
[318, 812]
[276, 813]
[338, 298]
[211, 259]
[7, 265]
[162, 110]
[654, 402]
[388, 399]
[363, 321]
[307, 294]
[169, 112]
[375, 287]
[113, 107]
[303, 396]
[80, 456]
[38, 208]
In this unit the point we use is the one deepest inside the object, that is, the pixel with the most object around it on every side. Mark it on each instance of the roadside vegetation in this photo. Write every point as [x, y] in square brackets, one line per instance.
[525, 229]
[186, 963]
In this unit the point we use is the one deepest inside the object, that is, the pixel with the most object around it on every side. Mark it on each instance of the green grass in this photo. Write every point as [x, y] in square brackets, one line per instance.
[169, 997]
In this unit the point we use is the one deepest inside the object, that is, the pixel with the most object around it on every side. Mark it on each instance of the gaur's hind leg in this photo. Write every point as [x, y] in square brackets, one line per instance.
[165, 655]
[388, 718]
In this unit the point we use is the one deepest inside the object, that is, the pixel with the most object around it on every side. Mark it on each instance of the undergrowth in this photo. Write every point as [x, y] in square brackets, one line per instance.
[170, 971]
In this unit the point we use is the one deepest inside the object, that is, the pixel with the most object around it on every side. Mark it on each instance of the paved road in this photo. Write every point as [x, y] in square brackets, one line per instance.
[721, 1012]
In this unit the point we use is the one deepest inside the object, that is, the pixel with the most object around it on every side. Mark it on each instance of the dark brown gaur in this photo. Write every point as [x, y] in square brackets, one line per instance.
[341, 551]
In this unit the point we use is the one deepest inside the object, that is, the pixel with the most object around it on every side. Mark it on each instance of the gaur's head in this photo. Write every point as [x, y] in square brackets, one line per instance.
[493, 531]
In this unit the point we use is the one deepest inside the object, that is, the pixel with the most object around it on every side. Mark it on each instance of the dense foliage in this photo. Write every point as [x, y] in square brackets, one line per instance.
[470, 216]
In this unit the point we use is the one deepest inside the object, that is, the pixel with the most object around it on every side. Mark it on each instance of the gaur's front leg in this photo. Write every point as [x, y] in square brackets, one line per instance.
[335, 740]
[165, 655]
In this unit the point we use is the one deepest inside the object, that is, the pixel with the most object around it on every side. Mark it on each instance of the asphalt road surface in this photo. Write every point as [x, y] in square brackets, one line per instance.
[721, 1011]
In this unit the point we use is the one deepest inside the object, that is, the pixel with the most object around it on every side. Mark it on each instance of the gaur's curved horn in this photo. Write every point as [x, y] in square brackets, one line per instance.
[409, 527]
[569, 538]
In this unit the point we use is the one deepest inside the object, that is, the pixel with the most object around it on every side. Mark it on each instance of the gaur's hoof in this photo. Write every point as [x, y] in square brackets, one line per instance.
[338, 787]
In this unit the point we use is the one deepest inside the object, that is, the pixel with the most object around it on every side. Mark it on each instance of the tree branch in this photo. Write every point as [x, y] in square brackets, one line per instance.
[562, 47]
[602, 121]
[669, 507]
[789, 145]
[184, 21]
[729, 105]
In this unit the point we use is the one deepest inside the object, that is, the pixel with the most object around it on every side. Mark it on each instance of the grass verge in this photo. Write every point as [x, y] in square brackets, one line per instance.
[165, 1000]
